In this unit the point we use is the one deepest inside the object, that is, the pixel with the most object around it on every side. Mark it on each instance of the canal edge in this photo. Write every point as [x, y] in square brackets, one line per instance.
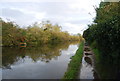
[75, 63]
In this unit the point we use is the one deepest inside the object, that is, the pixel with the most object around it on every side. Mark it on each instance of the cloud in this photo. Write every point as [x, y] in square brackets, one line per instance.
[21, 17]
[72, 15]
[53, 0]
[74, 28]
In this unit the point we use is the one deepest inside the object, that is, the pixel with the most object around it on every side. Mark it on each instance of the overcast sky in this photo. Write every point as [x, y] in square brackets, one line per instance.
[72, 15]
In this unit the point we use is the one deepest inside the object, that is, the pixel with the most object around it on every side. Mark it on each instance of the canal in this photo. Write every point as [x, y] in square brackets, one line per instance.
[41, 62]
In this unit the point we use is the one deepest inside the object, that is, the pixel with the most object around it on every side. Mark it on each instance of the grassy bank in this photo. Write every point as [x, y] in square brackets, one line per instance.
[74, 65]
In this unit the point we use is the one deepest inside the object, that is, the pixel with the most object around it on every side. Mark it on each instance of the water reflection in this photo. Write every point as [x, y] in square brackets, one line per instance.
[87, 70]
[88, 60]
[37, 62]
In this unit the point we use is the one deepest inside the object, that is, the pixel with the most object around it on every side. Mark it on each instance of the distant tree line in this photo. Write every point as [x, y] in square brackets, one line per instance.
[36, 34]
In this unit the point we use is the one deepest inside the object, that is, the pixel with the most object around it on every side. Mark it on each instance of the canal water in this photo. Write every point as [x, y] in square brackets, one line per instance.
[43, 62]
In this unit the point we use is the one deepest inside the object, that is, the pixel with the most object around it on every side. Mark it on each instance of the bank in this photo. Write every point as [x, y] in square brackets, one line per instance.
[74, 65]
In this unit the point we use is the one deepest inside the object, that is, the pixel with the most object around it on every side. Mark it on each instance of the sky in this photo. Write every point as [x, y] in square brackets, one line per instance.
[72, 15]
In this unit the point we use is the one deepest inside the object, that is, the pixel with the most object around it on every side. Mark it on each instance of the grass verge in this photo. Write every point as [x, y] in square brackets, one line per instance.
[74, 65]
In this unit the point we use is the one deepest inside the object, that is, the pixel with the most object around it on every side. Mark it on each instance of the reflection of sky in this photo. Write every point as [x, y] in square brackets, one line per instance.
[73, 15]
[0, 74]
[86, 71]
[28, 69]
[71, 50]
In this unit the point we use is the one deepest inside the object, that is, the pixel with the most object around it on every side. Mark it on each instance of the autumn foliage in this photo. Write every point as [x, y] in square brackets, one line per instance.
[36, 34]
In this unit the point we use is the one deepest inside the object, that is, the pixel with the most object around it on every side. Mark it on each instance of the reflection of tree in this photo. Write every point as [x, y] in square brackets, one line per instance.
[43, 53]
[10, 55]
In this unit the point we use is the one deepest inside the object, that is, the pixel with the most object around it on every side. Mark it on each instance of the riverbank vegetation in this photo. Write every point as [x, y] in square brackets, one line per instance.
[103, 36]
[36, 34]
[74, 65]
